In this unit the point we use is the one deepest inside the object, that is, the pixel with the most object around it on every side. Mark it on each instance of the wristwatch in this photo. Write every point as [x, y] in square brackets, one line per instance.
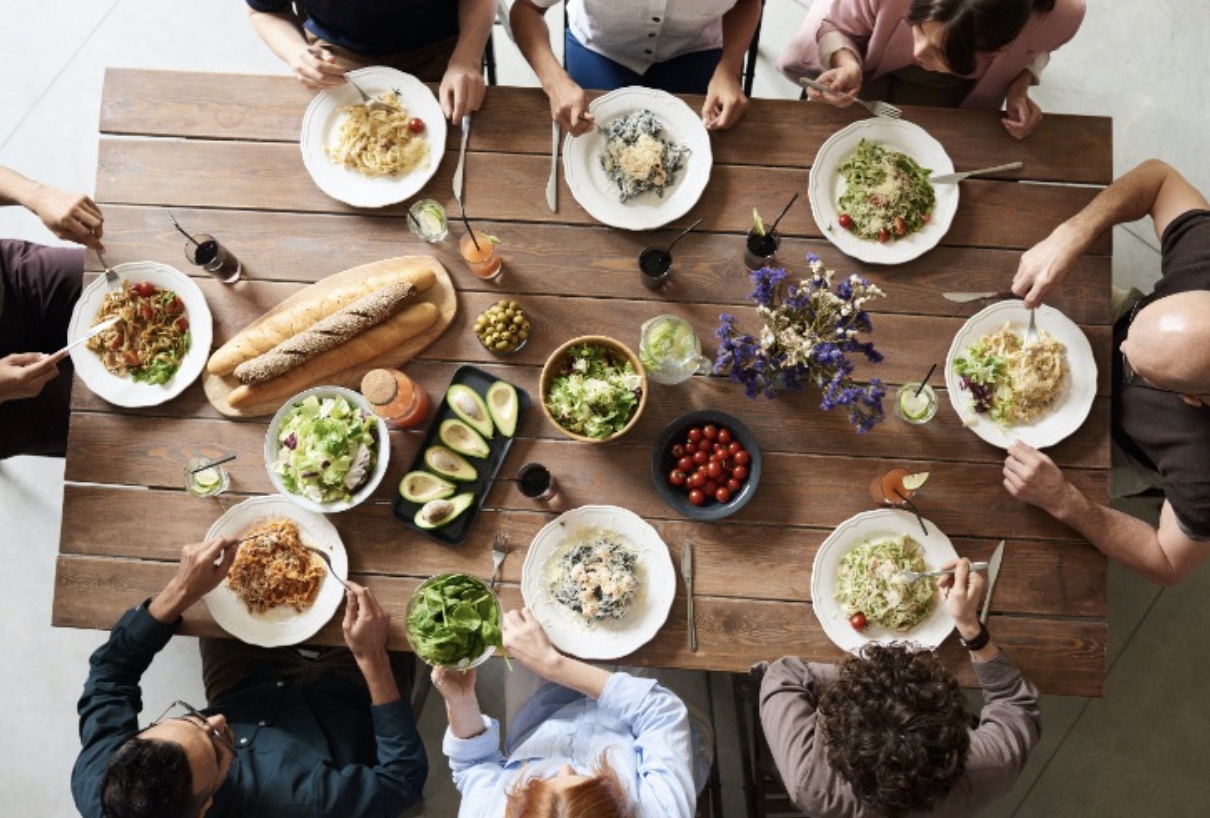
[979, 642]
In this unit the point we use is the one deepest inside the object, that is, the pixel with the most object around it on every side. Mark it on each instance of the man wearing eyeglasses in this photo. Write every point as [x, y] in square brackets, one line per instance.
[287, 736]
[1161, 388]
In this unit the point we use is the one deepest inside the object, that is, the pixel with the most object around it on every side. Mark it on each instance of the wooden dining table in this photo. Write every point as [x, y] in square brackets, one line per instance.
[222, 150]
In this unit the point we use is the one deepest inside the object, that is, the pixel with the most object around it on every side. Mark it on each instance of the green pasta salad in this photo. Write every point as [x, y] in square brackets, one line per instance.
[869, 582]
[887, 194]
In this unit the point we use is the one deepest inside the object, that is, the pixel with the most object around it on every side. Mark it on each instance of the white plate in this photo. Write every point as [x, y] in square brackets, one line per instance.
[321, 126]
[826, 186]
[282, 625]
[126, 391]
[1071, 406]
[611, 638]
[366, 489]
[869, 525]
[596, 194]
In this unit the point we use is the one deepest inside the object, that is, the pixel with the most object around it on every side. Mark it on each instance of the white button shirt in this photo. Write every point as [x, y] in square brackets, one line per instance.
[640, 33]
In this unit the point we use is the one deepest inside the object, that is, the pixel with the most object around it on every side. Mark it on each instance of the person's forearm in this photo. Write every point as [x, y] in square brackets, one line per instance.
[739, 24]
[376, 669]
[464, 716]
[533, 39]
[577, 675]
[169, 604]
[15, 189]
[475, 20]
[969, 631]
[1128, 199]
[280, 30]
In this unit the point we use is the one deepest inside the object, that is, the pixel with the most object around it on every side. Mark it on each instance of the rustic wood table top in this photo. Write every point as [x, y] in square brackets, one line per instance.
[222, 151]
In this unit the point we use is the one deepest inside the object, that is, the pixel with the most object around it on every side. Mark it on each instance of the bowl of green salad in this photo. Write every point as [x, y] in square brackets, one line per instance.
[325, 450]
[453, 620]
[593, 389]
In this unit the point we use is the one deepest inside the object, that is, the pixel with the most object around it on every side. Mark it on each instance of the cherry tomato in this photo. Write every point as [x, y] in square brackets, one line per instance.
[846, 221]
[690, 448]
[900, 226]
[117, 341]
[710, 431]
[740, 473]
[181, 324]
[742, 458]
[734, 484]
[701, 458]
[697, 481]
[697, 497]
[685, 464]
[176, 307]
[146, 289]
[145, 311]
[695, 434]
[710, 488]
[678, 451]
[416, 125]
[927, 217]
[715, 471]
[858, 621]
[734, 446]
[883, 235]
[677, 477]
[130, 357]
[724, 435]
[723, 494]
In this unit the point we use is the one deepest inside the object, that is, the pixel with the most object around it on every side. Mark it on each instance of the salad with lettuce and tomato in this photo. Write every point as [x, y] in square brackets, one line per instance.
[327, 448]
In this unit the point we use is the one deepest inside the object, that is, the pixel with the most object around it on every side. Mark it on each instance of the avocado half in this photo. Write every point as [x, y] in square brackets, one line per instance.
[438, 513]
[420, 487]
[463, 439]
[467, 405]
[503, 406]
[449, 464]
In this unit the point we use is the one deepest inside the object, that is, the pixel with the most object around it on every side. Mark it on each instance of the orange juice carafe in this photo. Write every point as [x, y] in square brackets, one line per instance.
[395, 398]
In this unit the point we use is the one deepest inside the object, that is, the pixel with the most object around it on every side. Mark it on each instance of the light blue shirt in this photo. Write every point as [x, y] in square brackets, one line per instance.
[644, 728]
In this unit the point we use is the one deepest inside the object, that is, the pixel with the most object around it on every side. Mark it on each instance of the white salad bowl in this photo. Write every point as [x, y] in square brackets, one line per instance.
[373, 477]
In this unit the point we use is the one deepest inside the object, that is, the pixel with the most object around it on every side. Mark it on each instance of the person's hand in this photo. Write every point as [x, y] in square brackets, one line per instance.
[725, 102]
[23, 374]
[569, 107]
[844, 82]
[316, 67]
[1046, 264]
[526, 642]
[963, 591]
[454, 685]
[1021, 114]
[1034, 478]
[365, 624]
[70, 216]
[462, 90]
[202, 567]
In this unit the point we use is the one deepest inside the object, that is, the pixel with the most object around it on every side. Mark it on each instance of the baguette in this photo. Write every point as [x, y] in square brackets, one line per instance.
[368, 345]
[315, 305]
[327, 333]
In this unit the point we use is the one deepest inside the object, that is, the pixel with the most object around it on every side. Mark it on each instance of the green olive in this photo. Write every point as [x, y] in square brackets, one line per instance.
[502, 327]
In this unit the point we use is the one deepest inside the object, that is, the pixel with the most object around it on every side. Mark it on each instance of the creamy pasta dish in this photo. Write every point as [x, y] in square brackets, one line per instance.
[638, 157]
[870, 581]
[887, 194]
[1012, 381]
[273, 569]
[595, 575]
[380, 143]
[151, 336]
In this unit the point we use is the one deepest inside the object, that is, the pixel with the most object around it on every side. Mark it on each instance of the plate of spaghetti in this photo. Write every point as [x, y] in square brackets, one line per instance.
[277, 593]
[373, 158]
[159, 344]
[1005, 389]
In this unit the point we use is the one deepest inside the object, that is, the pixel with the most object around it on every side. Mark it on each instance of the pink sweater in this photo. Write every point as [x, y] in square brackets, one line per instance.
[876, 31]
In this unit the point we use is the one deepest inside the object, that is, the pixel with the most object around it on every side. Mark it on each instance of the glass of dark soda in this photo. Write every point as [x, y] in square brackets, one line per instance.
[214, 258]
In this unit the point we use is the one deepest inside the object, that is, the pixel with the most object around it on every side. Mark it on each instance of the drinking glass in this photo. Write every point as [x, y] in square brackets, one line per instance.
[214, 258]
[655, 263]
[207, 482]
[761, 249]
[427, 220]
[482, 258]
[670, 350]
[536, 482]
[916, 403]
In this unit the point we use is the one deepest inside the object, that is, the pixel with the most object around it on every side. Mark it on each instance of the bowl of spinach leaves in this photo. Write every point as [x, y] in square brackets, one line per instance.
[453, 620]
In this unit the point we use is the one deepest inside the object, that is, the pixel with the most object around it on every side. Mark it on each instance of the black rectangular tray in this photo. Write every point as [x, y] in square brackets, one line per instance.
[456, 532]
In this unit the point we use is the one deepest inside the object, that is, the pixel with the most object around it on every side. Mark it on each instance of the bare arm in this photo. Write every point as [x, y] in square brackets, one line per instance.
[725, 101]
[365, 630]
[462, 88]
[1153, 188]
[71, 216]
[526, 642]
[1164, 555]
[568, 102]
[312, 66]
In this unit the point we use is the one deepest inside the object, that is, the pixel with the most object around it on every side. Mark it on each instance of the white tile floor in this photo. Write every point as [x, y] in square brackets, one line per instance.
[1138, 751]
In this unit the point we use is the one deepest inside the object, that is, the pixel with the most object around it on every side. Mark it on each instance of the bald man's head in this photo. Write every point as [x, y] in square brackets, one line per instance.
[1168, 343]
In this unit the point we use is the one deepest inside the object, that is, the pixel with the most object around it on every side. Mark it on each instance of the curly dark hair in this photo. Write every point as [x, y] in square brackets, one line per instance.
[896, 728]
[974, 27]
[147, 778]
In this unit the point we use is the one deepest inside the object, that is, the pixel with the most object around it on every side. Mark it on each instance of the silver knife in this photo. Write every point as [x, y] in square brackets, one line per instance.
[946, 178]
[993, 571]
[92, 331]
[552, 185]
[466, 132]
[963, 298]
[687, 573]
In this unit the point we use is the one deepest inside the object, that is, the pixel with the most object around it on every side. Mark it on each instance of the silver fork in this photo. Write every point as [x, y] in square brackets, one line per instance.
[499, 552]
[877, 107]
[912, 576]
[370, 102]
[324, 556]
[112, 281]
[1031, 332]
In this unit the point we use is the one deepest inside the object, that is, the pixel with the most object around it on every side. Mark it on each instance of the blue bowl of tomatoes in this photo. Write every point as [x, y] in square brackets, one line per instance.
[706, 465]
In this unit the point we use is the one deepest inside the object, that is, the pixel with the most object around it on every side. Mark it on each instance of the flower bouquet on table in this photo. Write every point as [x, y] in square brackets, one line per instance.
[808, 329]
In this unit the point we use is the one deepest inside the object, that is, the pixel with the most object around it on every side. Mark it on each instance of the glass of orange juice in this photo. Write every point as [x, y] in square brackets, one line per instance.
[478, 250]
[896, 487]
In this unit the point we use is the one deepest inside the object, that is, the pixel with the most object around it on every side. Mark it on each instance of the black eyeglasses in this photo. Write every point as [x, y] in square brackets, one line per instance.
[1129, 376]
[194, 716]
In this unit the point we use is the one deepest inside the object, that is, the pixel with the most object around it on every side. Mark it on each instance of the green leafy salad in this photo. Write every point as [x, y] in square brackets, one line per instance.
[595, 394]
[453, 619]
[326, 449]
[887, 194]
[869, 581]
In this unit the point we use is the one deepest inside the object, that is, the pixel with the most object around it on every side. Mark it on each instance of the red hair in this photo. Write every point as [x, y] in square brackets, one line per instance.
[602, 796]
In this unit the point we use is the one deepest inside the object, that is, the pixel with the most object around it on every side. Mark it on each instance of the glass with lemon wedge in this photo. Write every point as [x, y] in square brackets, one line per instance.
[205, 482]
[896, 487]
[916, 403]
[761, 247]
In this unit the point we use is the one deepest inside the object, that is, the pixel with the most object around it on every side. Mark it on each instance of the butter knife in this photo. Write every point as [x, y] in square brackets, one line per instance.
[92, 331]
[963, 298]
[687, 573]
[552, 185]
[946, 178]
[466, 132]
[993, 572]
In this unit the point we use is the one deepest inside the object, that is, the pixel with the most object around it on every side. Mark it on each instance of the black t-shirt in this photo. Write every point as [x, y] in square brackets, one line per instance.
[375, 26]
[1158, 428]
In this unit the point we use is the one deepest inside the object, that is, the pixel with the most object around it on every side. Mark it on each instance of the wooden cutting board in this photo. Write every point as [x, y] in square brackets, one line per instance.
[441, 295]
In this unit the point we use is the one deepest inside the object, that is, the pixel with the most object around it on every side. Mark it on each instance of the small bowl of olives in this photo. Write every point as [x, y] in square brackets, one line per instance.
[502, 328]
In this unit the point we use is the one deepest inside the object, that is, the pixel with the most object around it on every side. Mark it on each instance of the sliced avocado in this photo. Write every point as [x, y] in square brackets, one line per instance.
[463, 439]
[502, 404]
[449, 464]
[467, 405]
[420, 487]
[436, 513]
